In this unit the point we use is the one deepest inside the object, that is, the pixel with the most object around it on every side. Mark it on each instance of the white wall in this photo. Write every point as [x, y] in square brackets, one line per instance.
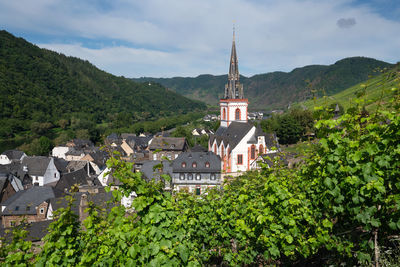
[59, 151]
[51, 174]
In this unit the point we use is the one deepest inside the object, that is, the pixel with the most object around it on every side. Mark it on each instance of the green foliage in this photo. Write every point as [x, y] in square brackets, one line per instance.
[18, 251]
[291, 126]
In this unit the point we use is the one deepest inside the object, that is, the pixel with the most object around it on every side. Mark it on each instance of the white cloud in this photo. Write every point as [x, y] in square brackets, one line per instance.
[188, 38]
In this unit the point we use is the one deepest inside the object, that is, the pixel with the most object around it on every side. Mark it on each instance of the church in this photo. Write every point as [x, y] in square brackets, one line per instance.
[238, 142]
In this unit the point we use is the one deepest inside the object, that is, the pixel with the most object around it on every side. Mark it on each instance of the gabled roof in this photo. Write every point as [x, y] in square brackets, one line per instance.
[18, 203]
[67, 180]
[61, 164]
[37, 165]
[79, 143]
[184, 162]
[168, 143]
[232, 134]
[13, 154]
[198, 148]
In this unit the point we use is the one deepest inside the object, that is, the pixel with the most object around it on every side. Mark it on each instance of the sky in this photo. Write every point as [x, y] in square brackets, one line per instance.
[168, 38]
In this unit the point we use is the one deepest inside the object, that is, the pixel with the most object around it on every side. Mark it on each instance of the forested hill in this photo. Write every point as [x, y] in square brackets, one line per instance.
[277, 89]
[38, 85]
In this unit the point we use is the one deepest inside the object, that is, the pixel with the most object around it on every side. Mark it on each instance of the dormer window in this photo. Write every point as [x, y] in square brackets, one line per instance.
[190, 176]
[181, 176]
[198, 176]
[16, 208]
[194, 165]
[183, 164]
[207, 164]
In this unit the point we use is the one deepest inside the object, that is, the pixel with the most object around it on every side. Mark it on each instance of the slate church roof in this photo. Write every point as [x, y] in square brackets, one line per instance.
[232, 134]
[36, 165]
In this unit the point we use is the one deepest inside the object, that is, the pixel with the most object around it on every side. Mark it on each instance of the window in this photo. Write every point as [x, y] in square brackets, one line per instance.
[223, 113]
[182, 176]
[253, 152]
[28, 208]
[222, 152]
[16, 208]
[240, 159]
[55, 175]
[215, 148]
[183, 164]
[12, 223]
[190, 176]
[198, 176]
[41, 211]
[194, 165]
[198, 191]
[237, 114]
[207, 164]
[261, 149]
[212, 176]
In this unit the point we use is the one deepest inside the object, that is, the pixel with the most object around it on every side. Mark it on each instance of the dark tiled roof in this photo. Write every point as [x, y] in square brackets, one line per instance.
[127, 135]
[149, 172]
[67, 180]
[231, 135]
[168, 143]
[61, 164]
[200, 159]
[80, 143]
[13, 154]
[36, 165]
[32, 197]
[74, 152]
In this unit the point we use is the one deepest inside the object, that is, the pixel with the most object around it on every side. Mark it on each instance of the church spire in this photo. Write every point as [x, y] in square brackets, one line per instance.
[233, 89]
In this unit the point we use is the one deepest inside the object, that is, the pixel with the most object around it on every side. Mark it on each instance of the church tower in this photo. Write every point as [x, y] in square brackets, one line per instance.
[233, 106]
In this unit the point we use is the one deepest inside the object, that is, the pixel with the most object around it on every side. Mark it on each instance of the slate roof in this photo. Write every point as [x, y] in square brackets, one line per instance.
[36, 231]
[200, 159]
[13, 154]
[150, 173]
[232, 134]
[32, 197]
[67, 180]
[37, 165]
[61, 164]
[168, 143]
[127, 135]
[138, 141]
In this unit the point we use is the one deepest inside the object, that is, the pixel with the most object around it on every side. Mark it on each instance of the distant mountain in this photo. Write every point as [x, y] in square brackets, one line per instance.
[38, 85]
[278, 89]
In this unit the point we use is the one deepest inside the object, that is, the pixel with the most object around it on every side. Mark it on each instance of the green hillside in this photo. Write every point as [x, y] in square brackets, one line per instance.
[278, 89]
[374, 91]
[41, 86]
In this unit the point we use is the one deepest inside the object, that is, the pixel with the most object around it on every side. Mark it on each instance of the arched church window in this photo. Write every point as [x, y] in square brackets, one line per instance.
[215, 148]
[253, 152]
[222, 152]
[237, 114]
[224, 114]
[261, 149]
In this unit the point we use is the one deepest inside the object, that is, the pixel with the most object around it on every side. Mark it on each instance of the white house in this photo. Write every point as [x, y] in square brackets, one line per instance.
[9, 156]
[42, 170]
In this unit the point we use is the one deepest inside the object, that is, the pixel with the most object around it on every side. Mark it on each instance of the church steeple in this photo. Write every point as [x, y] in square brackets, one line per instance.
[233, 89]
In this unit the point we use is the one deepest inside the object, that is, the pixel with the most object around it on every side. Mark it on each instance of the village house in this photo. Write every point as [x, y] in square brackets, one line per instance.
[237, 141]
[194, 172]
[169, 147]
[9, 156]
[41, 170]
[30, 205]
[9, 185]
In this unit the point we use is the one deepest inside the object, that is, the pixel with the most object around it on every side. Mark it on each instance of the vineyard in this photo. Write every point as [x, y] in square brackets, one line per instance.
[340, 205]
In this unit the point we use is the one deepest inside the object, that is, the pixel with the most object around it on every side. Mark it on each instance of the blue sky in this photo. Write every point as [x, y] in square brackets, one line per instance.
[166, 38]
